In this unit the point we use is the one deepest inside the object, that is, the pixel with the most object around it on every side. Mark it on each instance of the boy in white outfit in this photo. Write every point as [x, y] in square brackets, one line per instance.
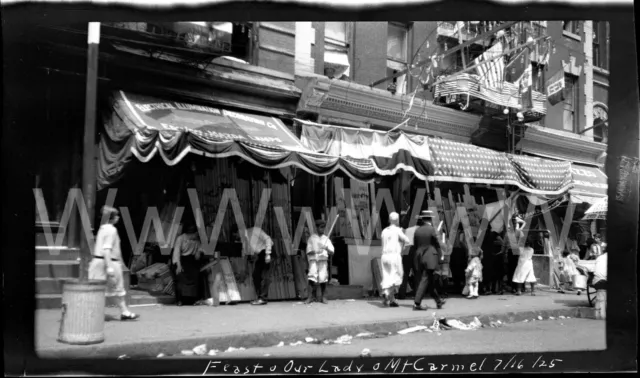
[319, 248]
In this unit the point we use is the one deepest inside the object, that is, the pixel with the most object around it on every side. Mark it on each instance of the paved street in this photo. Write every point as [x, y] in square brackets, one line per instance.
[539, 336]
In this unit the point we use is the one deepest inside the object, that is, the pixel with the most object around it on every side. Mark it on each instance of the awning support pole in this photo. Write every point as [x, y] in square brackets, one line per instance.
[89, 153]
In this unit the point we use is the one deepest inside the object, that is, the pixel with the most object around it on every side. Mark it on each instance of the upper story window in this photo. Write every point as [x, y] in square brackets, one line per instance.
[570, 118]
[600, 44]
[572, 26]
[397, 36]
[335, 32]
[397, 55]
[336, 49]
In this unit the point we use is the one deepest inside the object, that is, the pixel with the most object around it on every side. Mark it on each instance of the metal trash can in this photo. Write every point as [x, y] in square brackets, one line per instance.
[83, 305]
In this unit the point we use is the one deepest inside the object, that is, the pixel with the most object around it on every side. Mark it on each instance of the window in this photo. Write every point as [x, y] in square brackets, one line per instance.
[600, 45]
[571, 26]
[570, 118]
[397, 41]
[335, 31]
[336, 60]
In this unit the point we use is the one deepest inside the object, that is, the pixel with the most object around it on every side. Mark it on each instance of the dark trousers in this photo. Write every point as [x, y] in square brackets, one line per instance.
[261, 276]
[512, 264]
[408, 265]
[428, 281]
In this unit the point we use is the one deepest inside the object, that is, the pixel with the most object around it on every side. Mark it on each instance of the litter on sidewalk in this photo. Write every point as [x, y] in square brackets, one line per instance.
[232, 349]
[280, 344]
[200, 350]
[365, 353]
[345, 339]
[412, 329]
[296, 343]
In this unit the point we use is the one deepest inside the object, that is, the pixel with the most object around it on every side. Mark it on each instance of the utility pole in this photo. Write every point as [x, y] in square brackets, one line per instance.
[622, 171]
[89, 153]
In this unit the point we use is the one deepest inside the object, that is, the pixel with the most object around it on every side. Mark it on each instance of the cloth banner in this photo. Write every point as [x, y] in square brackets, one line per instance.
[387, 152]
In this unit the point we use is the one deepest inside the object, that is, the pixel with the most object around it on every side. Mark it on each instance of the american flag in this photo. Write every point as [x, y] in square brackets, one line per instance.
[492, 73]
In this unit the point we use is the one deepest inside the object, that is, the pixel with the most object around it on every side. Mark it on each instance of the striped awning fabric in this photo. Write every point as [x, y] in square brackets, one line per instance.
[459, 162]
[505, 95]
[387, 152]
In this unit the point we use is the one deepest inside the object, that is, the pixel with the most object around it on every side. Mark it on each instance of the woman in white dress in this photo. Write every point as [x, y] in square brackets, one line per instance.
[393, 240]
[524, 271]
[106, 264]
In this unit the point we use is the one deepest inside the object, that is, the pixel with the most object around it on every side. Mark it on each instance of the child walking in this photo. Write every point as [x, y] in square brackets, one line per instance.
[474, 273]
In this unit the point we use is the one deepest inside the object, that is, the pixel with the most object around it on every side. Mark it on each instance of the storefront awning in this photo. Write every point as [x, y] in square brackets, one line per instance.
[588, 181]
[388, 152]
[144, 126]
[460, 162]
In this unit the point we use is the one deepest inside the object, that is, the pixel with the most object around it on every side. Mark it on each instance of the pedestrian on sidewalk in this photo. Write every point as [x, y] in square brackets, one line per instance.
[524, 271]
[474, 273]
[319, 247]
[513, 251]
[459, 260]
[428, 257]
[393, 240]
[186, 263]
[106, 263]
[408, 266]
[568, 270]
[257, 246]
[497, 283]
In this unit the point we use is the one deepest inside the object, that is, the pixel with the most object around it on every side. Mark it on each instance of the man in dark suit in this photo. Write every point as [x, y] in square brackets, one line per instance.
[428, 257]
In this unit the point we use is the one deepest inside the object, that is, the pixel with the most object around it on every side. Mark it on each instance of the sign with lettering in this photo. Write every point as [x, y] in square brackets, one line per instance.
[555, 88]
[208, 122]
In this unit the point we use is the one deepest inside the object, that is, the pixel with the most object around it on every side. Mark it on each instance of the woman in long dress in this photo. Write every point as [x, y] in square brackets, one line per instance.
[106, 264]
[393, 240]
[186, 260]
[524, 271]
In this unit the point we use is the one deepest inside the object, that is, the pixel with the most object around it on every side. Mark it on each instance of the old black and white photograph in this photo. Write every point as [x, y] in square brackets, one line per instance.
[361, 195]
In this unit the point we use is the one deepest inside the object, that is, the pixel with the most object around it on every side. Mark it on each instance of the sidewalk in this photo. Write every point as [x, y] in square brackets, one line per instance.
[170, 329]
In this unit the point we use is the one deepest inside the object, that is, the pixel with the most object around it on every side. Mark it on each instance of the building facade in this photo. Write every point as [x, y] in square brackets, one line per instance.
[574, 129]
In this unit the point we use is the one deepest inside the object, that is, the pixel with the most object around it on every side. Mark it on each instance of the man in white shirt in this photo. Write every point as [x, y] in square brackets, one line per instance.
[257, 245]
[600, 272]
[319, 248]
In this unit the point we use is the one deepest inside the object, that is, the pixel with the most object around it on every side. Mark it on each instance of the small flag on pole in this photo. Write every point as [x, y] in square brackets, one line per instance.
[555, 87]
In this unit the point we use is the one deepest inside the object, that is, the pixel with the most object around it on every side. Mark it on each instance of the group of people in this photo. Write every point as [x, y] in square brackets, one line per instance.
[571, 256]
[419, 250]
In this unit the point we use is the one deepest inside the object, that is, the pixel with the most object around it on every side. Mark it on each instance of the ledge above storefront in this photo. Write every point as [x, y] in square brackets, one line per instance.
[557, 144]
[352, 104]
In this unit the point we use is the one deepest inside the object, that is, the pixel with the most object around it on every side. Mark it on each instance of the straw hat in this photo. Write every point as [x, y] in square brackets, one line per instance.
[426, 214]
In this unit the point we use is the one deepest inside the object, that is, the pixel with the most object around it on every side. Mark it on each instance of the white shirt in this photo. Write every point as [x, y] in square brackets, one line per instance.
[392, 237]
[315, 245]
[108, 238]
[255, 240]
[600, 272]
[410, 233]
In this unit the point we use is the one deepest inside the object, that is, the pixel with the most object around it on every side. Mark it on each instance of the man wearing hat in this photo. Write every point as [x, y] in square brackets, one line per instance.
[408, 261]
[319, 248]
[428, 257]
[393, 240]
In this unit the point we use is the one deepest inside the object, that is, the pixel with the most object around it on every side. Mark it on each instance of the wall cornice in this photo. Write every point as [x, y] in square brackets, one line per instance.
[561, 144]
[381, 109]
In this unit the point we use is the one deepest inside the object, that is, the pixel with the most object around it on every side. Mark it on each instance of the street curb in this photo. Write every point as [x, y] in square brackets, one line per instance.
[147, 349]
